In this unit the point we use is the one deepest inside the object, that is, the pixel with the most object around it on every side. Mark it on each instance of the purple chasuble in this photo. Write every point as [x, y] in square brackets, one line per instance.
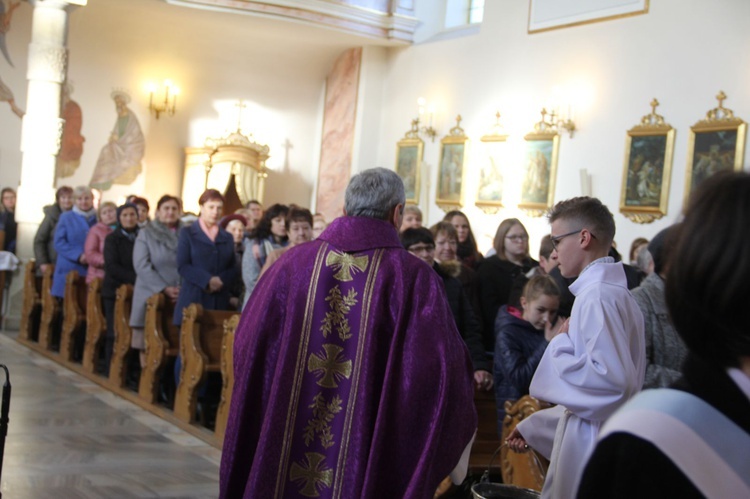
[351, 379]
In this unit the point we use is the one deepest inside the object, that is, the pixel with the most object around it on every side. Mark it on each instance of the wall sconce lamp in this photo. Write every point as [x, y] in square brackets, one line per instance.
[550, 123]
[424, 108]
[564, 122]
[163, 106]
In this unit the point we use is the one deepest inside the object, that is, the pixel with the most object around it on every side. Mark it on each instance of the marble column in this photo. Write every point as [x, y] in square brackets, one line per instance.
[42, 126]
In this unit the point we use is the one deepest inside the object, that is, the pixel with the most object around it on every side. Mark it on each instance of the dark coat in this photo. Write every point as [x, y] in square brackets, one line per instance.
[118, 262]
[44, 240]
[518, 349]
[624, 466]
[466, 321]
[8, 224]
[496, 278]
[199, 259]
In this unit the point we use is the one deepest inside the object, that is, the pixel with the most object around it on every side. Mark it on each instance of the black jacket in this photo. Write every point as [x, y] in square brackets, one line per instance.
[624, 466]
[466, 322]
[118, 262]
[518, 350]
[44, 240]
[496, 278]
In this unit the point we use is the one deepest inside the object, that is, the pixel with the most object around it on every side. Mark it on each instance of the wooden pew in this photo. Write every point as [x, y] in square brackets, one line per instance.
[96, 325]
[74, 314]
[201, 339]
[522, 470]
[227, 376]
[162, 340]
[486, 442]
[123, 335]
[50, 309]
[31, 308]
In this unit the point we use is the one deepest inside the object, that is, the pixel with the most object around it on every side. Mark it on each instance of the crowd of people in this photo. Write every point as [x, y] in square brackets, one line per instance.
[577, 328]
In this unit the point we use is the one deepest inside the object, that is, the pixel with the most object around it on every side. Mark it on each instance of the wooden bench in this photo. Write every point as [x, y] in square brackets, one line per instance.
[123, 335]
[522, 469]
[32, 303]
[201, 338]
[486, 442]
[161, 339]
[74, 315]
[50, 309]
[96, 325]
[227, 376]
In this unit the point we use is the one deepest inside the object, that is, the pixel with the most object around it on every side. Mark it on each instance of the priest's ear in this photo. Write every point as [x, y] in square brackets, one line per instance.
[396, 217]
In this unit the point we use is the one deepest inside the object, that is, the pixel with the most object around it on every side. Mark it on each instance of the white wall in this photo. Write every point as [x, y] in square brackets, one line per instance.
[681, 52]
[277, 67]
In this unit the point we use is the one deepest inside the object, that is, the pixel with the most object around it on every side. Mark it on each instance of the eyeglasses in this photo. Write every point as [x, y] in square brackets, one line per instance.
[429, 248]
[517, 239]
[556, 239]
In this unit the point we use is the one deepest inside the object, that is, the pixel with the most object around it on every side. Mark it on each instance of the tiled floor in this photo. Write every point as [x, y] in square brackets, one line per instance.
[69, 438]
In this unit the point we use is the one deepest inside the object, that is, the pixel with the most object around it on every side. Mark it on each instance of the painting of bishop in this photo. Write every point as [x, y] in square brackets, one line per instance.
[120, 160]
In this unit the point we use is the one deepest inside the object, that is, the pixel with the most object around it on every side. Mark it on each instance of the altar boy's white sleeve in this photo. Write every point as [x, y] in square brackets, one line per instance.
[600, 363]
[539, 429]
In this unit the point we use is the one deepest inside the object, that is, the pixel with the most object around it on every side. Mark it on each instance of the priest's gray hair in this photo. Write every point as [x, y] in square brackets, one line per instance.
[374, 193]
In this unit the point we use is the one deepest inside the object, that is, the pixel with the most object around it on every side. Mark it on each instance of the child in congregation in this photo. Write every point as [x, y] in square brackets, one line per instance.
[522, 336]
[598, 362]
[412, 218]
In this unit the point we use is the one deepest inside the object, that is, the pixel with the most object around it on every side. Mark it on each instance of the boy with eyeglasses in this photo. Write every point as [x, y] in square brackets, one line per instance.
[599, 363]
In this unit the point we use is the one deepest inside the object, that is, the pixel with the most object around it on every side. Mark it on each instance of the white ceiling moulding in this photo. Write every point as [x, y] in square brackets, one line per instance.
[389, 26]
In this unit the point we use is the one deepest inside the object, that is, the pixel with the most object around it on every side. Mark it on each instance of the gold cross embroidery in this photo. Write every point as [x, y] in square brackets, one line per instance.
[311, 475]
[344, 263]
[330, 365]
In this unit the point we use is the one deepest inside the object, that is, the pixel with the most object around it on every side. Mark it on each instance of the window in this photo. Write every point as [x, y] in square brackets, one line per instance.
[463, 12]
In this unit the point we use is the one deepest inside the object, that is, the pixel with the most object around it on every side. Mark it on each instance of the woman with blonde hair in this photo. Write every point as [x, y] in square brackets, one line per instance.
[94, 245]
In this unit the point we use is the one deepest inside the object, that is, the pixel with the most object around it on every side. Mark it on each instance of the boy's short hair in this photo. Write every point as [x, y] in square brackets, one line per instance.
[590, 213]
[410, 237]
[414, 210]
[540, 285]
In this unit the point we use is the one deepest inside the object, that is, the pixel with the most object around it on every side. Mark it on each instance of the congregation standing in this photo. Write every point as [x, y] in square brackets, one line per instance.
[577, 328]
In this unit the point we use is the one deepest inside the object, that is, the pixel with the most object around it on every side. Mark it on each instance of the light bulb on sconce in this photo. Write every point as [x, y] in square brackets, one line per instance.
[163, 105]
[423, 108]
[563, 121]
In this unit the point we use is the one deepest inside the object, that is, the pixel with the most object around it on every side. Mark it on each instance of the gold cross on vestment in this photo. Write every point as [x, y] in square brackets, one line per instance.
[345, 263]
[311, 475]
[330, 365]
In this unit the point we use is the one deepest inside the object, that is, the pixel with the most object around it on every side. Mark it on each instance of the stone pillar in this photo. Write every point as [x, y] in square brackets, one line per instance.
[42, 126]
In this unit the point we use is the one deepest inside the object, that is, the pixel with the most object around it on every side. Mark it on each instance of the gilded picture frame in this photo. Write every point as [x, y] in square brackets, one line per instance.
[540, 168]
[409, 153]
[717, 143]
[450, 182]
[647, 169]
[491, 178]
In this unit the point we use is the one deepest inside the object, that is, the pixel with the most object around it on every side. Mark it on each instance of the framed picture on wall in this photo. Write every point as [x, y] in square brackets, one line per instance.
[545, 15]
[717, 143]
[409, 152]
[649, 147]
[540, 168]
[451, 169]
[491, 179]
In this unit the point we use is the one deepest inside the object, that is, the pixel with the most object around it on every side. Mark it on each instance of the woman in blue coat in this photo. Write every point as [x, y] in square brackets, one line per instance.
[70, 236]
[205, 259]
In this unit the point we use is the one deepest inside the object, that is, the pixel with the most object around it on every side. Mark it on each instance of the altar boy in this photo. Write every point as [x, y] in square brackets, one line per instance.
[599, 363]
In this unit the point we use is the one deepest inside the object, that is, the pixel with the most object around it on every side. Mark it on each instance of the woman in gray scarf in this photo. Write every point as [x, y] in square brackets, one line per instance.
[155, 262]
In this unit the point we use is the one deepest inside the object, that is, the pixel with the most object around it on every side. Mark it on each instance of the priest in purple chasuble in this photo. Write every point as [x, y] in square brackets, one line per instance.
[351, 379]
